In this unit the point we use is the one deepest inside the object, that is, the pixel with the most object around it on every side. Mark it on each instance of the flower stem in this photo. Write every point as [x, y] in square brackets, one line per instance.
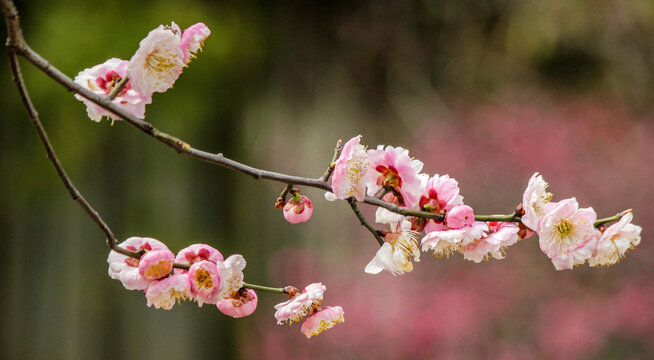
[264, 288]
[615, 217]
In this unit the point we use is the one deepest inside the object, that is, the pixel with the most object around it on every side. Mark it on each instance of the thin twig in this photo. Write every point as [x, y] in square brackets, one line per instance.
[118, 87]
[353, 204]
[43, 136]
[330, 169]
[265, 288]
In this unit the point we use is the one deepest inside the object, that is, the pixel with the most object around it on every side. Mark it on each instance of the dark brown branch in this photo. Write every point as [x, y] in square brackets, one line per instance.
[353, 204]
[43, 136]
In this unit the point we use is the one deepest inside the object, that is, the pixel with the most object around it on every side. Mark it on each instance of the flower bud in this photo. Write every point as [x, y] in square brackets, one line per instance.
[459, 217]
[298, 209]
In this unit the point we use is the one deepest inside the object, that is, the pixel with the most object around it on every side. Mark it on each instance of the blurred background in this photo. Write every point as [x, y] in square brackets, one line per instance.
[485, 91]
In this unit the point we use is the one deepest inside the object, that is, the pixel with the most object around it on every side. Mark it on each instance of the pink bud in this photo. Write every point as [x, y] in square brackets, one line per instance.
[242, 304]
[156, 264]
[459, 217]
[298, 209]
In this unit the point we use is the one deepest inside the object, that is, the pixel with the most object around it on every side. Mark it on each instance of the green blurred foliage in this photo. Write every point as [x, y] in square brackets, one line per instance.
[276, 84]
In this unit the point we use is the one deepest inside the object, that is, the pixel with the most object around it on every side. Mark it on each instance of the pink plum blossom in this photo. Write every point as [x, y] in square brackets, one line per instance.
[300, 305]
[101, 79]
[444, 241]
[193, 39]
[240, 304]
[394, 256]
[616, 240]
[197, 252]
[322, 320]
[459, 217]
[158, 62]
[206, 281]
[298, 209]
[384, 216]
[125, 268]
[164, 293]
[534, 200]
[501, 236]
[349, 170]
[441, 193]
[156, 264]
[393, 169]
[567, 234]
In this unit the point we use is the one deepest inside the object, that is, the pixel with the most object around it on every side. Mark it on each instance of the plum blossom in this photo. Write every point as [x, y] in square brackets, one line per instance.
[156, 264]
[616, 240]
[459, 217]
[384, 216]
[394, 255]
[192, 40]
[197, 252]
[232, 276]
[349, 170]
[158, 62]
[164, 293]
[444, 241]
[300, 305]
[125, 268]
[441, 193]
[101, 79]
[567, 234]
[207, 281]
[501, 236]
[534, 200]
[240, 304]
[298, 209]
[393, 169]
[322, 320]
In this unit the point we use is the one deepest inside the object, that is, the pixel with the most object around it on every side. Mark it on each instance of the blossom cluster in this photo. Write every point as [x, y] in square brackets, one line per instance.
[156, 65]
[209, 279]
[567, 234]
[308, 303]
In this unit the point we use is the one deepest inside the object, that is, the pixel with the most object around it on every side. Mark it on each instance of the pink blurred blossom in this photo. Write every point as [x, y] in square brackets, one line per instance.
[322, 320]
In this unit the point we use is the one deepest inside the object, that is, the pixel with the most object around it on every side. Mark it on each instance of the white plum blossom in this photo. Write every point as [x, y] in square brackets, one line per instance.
[616, 240]
[395, 254]
[163, 294]
[444, 241]
[158, 62]
[300, 305]
[567, 234]
[534, 200]
[501, 236]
